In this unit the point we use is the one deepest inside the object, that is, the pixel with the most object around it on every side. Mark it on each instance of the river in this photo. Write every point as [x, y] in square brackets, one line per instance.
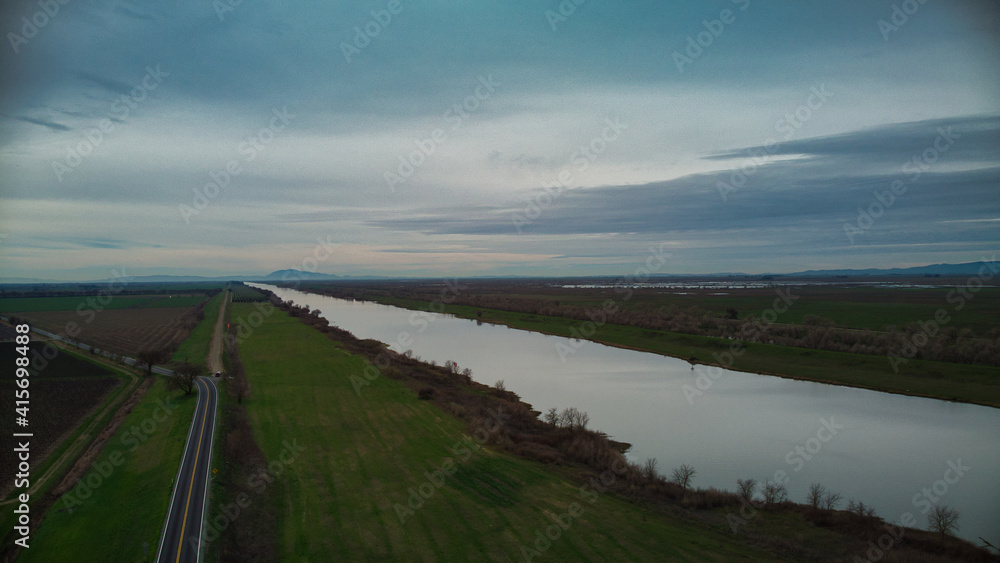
[898, 454]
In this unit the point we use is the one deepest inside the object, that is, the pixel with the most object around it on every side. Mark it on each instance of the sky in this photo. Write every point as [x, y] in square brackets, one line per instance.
[496, 137]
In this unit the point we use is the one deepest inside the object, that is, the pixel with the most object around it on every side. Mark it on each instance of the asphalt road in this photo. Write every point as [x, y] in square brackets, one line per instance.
[181, 537]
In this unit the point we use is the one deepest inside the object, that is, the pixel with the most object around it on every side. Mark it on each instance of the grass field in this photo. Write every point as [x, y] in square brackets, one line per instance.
[195, 347]
[356, 460]
[120, 503]
[28, 304]
[959, 382]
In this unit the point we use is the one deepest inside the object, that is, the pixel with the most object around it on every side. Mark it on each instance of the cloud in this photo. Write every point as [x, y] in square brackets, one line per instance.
[50, 124]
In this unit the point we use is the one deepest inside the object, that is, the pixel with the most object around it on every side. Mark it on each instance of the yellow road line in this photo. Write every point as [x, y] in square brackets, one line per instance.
[194, 470]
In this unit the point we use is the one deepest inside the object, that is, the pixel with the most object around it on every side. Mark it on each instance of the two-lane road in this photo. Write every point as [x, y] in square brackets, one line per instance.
[181, 538]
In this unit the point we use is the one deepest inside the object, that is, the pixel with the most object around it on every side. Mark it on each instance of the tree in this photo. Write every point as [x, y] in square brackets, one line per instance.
[552, 417]
[499, 385]
[815, 496]
[731, 313]
[942, 519]
[682, 476]
[774, 493]
[747, 488]
[649, 469]
[831, 500]
[574, 419]
[147, 359]
[860, 509]
[184, 377]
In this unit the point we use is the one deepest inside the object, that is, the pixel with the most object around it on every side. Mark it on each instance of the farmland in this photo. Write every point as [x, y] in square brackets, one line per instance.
[65, 390]
[28, 304]
[245, 294]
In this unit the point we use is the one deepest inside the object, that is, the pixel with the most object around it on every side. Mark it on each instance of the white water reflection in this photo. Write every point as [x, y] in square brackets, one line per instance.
[890, 449]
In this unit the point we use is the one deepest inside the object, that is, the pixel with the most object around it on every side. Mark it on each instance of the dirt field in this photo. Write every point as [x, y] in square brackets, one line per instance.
[123, 331]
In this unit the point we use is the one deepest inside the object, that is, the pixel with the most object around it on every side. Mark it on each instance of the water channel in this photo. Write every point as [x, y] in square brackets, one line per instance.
[896, 453]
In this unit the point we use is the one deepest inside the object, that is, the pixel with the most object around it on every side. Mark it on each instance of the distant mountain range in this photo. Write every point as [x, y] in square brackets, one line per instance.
[966, 269]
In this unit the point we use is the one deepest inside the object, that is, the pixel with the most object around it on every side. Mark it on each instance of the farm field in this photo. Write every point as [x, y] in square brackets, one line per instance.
[28, 304]
[122, 331]
[62, 395]
[354, 458]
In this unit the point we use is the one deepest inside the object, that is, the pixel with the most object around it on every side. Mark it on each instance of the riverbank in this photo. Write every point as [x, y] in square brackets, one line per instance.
[964, 383]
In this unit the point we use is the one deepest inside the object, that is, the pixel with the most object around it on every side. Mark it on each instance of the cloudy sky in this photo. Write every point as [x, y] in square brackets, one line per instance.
[496, 136]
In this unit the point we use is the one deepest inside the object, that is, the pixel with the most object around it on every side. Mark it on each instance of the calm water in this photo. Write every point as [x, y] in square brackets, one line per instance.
[889, 450]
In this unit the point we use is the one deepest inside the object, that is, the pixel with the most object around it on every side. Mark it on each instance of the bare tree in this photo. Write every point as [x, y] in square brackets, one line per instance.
[831, 500]
[860, 509]
[500, 385]
[552, 417]
[184, 377]
[942, 519]
[147, 359]
[649, 469]
[774, 493]
[815, 496]
[747, 488]
[682, 476]
[574, 418]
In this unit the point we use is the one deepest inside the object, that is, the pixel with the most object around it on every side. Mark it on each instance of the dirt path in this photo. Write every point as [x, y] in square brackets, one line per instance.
[214, 359]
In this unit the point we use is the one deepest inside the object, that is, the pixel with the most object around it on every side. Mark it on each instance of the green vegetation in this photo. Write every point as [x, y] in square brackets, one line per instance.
[195, 347]
[36, 304]
[131, 482]
[344, 493]
[959, 382]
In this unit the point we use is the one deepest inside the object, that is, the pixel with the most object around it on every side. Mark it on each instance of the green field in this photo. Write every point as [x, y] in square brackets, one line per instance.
[195, 346]
[958, 382]
[361, 455]
[36, 304]
[125, 508]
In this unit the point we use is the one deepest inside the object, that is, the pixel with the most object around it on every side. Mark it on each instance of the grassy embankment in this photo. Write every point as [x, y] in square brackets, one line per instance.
[957, 382]
[361, 456]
